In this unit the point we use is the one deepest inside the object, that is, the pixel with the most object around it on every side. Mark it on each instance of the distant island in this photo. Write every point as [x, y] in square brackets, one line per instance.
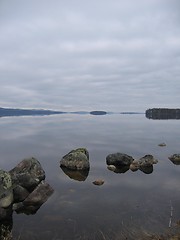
[163, 113]
[98, 112]
[7, 112]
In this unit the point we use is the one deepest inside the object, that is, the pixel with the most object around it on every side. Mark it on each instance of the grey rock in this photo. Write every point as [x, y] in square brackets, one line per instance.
[6, 213]
[175, 158]
[35, 199]
[119, 159]
[111, 168]
[134, 166]
[20, 193]
[77, 159]
[6, 189]
[28, 173]
[40, 194]
[98, 182]
[147, 160]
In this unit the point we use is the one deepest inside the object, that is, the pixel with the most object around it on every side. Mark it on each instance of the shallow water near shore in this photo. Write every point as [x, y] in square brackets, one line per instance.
[128, 205]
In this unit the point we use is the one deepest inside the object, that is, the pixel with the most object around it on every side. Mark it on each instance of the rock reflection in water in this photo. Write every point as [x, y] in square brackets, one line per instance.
[122, 169]
[146, 169]
[78, 175]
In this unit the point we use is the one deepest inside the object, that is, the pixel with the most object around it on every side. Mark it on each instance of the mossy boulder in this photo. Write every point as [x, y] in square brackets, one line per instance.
[77, 159]
[6, 190]
[28, 173]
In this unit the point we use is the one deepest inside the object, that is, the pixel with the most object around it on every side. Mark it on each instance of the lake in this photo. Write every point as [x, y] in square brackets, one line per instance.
[128, 205]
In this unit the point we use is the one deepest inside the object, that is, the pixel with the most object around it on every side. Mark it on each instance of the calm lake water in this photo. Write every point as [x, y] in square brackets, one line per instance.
[128, 204]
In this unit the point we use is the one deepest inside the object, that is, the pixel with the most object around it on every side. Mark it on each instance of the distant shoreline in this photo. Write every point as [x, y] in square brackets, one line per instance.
[153, 113]
[9, 112]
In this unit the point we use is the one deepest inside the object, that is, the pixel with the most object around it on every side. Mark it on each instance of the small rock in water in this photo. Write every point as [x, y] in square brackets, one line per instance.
[98, 182]
[111, 167]
[134, 166]
[175, 158]
[162, 145]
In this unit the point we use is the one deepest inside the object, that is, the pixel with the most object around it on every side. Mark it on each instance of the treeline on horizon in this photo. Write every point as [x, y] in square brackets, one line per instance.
[163, 113]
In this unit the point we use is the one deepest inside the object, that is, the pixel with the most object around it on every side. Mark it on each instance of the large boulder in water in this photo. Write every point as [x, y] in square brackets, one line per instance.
[35, 199]
[28, 173]
[119, 159]
[77, 159]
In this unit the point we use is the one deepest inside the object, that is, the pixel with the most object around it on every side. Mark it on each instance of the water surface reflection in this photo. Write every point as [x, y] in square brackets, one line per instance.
[126, 204]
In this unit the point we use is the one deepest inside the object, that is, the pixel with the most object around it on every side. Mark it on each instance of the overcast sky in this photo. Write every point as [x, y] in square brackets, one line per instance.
[112, 55]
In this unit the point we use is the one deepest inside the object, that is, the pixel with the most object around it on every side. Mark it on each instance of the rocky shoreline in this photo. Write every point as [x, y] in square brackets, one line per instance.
[23, 190]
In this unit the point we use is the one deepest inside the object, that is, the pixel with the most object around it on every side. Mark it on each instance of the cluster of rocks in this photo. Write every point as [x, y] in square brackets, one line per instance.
[23, 189]
[120, 163]
[76, 164]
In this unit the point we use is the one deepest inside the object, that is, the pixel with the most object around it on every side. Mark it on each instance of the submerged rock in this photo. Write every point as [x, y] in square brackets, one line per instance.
[175, 158]
[77, 159]
[6, 189]
[119, 159]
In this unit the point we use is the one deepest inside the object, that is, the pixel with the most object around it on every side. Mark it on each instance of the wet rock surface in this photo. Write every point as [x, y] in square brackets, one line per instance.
[23, 189]
[119, 159]
[77, 159]
[175, 158]
[28, 173]
[121, 163]
[6, 191]
[98, 182]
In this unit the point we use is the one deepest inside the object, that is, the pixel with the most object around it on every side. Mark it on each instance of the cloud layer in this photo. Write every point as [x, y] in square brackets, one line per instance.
[81, 55]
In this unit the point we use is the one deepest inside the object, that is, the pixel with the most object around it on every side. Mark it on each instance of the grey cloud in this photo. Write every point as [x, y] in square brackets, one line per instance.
[86, 55]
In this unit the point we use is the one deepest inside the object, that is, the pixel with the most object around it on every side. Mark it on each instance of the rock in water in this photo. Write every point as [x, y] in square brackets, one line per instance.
[134, 166]
[98, 182]
[162, 145]
[77, 159]
[28, 173]
[35, 199]
[147, 160]
[6, 189]
[111, 168]
[175, 158]
[119, 159]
